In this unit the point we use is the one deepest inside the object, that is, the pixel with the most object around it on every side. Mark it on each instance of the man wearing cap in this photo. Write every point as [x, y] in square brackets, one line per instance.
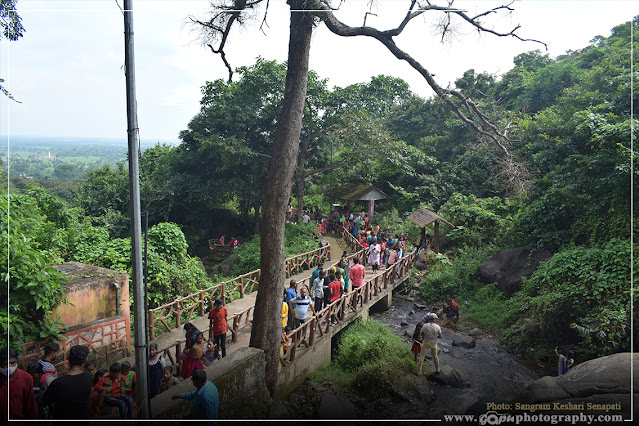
[430, 332]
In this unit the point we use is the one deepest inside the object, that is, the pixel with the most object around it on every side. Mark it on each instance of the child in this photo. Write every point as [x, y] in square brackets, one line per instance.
[91, 366]
[565, 362]
[35, 369]
[417, 339]
[168, 379]
[96, 397]
[218, 325]
[110, 388]
[212, 353]
[129, 389]
[156, 367]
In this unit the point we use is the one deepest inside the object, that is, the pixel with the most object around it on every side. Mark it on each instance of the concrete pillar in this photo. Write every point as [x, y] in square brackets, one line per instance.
[383, 304]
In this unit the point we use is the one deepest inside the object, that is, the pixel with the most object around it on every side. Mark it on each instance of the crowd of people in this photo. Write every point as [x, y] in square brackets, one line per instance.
[85, 391]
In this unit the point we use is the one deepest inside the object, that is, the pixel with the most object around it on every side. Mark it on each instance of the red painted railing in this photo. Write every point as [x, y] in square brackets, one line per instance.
[107, 341]
[173, 314]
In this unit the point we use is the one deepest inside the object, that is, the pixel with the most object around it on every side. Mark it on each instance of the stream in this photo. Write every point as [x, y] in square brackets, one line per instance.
[494, 372]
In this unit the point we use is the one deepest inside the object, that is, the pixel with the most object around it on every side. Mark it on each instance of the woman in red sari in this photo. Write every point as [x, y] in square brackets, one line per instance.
[193, 360]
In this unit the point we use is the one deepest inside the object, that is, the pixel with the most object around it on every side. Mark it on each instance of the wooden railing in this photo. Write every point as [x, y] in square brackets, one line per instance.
[321, 323]
[353, 301]
[182, 310]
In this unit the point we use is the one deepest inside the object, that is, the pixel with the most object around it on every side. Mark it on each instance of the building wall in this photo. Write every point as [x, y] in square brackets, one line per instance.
[91, 294]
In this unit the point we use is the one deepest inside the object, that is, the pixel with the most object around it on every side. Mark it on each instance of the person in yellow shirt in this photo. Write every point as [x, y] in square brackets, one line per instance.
[284, 314]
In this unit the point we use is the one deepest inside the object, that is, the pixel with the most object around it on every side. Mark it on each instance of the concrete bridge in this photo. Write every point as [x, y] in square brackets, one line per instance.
[241, 372]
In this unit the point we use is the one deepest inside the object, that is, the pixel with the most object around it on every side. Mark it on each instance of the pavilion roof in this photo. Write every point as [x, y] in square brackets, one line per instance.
[424, 217]
[357, 192]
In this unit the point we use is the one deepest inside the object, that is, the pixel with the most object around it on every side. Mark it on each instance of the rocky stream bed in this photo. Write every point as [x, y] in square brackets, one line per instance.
[489, 370]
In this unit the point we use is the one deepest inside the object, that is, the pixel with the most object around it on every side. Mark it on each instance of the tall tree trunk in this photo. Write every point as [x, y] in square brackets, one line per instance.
[267, 325]
[301, 174]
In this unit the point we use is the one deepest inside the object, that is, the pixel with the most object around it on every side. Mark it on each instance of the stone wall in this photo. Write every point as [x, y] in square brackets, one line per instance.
[239, 378]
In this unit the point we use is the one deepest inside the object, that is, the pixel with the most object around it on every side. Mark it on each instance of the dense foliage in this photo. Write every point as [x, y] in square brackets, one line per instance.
[573, 129]
[36, 287]
[569, 121]
[370, 358]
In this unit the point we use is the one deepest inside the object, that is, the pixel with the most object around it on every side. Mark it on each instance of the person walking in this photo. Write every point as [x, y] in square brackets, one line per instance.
[301, 302]
[357, 274]
[218, 326]
[430, 332]
[317, 291]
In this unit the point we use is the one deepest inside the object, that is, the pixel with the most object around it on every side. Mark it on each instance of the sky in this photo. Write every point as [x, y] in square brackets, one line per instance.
[68, 69]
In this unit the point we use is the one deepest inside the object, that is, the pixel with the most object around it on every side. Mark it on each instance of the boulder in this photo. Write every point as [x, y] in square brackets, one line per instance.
[464, 341]
[421, 265]
[335, 407]
[412, 389]
[598, 381]
[509, 266]
[450, 376]
[278, 411]
[475, 332]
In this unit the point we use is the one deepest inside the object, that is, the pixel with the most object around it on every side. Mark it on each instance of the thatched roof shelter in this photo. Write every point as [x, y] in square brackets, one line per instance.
[423, 218]
[356, 192]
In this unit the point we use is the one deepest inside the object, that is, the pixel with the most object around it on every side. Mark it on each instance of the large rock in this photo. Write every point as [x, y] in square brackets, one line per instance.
[335, 407]
[599, 381]
[278, 411]
[450, 376]
[509, 267]
[412, 389]
[464, 341]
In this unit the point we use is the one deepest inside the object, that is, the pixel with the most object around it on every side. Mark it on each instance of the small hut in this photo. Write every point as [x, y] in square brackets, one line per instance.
[356, 192]
[423, 218]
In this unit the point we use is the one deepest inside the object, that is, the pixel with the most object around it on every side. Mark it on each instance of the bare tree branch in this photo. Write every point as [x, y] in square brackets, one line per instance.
[220, 23]
[464, 107]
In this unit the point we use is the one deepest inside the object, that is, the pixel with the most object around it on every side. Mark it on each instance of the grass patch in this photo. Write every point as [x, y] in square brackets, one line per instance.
[370, 358]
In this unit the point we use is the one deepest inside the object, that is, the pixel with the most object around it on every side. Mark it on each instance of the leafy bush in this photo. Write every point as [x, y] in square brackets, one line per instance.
[369, 342]
[168, 240]
[370, 358]
[456, 276]
[478, 221]
[298, 238]
[36, 288]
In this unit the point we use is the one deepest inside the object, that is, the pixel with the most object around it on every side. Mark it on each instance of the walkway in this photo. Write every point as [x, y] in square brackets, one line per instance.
[166, 341]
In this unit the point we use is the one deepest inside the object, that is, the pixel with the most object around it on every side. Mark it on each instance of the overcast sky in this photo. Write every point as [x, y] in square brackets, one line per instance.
[67, 70]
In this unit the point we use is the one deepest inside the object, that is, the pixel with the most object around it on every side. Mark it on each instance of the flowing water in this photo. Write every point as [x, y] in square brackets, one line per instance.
[494, 372]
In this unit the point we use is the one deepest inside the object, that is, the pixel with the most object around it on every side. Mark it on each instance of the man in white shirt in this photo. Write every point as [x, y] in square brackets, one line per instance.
[431, 332]
[306, 218]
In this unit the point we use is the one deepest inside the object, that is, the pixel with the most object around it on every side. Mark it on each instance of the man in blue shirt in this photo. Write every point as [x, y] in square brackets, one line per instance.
[205, 396]
[290, 295]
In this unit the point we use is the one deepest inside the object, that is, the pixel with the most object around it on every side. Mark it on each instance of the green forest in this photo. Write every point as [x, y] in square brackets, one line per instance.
[563, 185]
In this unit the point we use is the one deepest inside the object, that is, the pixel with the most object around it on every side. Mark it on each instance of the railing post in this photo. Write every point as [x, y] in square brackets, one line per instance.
[293, 346]
[235, 329]
[151, 326]
[178, 353]
[311, 337]
[201, 303]
[178, 314]
[242, 287]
